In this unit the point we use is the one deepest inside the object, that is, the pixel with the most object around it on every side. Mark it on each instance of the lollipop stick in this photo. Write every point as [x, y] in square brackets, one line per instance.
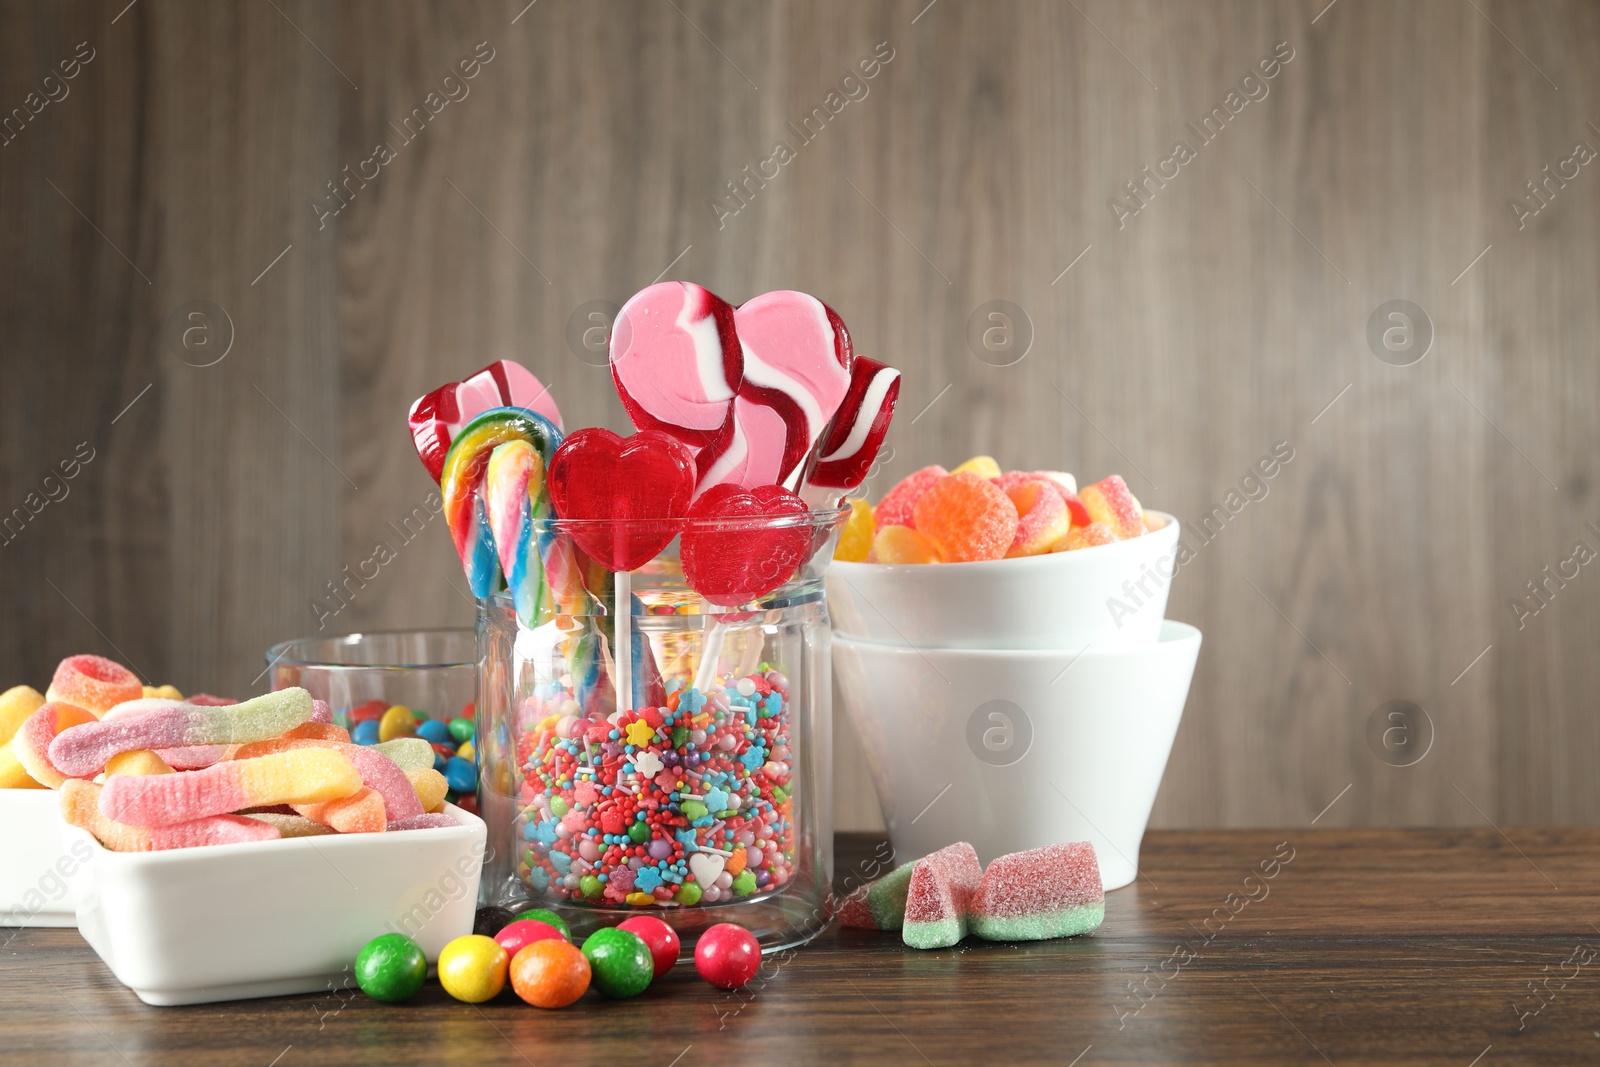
[622, 647]
[710, 652]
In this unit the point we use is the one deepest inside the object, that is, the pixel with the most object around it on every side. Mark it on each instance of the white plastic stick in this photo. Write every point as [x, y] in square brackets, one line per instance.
[622, 654]
[710, 652]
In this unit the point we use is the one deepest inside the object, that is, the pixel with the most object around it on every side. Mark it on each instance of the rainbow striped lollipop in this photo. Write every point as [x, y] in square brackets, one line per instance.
[465, 508]
[513, 492]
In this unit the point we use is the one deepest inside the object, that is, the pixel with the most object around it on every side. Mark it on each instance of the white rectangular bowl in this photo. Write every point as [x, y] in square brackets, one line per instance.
[34, 876]
[270, 918]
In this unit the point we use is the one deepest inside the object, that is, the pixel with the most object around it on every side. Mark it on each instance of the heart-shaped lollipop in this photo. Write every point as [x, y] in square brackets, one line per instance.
[676, 360]
[439, 416]
[633, 492]
[731, 551]
[797, 362]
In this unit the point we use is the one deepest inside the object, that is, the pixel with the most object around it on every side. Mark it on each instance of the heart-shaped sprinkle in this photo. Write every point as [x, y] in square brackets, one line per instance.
[676, 361]
[630, 494]
[706, 867]
[733, 552]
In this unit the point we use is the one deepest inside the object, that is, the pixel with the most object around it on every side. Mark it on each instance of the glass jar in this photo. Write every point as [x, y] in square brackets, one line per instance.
[704, 798]
[432, 671]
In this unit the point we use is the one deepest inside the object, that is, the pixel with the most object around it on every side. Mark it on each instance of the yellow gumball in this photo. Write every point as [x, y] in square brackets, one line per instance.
[398, 721]
[473, 968]
[982, 466]
[855, 540]
[466, 751]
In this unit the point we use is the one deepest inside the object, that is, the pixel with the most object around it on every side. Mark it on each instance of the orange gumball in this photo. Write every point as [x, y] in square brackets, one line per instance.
[550, 974]
[968, 517]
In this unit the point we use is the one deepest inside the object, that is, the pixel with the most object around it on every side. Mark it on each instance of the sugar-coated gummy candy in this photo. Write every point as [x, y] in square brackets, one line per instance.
[897, 506]
[362, 812]
[473, 968]
[391, 968]
[38, 731]
[316, 731]
[902, 544]
[1108, 501]
[93, 683]
[884, 901]
[545, 915]
[83, 750]
[1042, 518]
[621, 963]
[300, 776]
[1096, 533]
[292, 825]
[1042, 893]
[489, 921]
[16, 704]
[80, 807]
[939, 896]
[377, 771]
[430, 787]
[408, 753]
[727, 955]
[163, 692]
[968, 517]
[1075, 509]
[520, 933]
[660, 938]
[855, 538]
[12, 774]
[432, 820]
[397, 722]
[139, 761]
[550, 974]
[982, 466]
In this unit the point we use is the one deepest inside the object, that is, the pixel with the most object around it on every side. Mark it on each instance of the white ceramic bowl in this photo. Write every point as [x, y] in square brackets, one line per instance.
[1017, 750]
[1062, 600]
[37, 864]
[269, 918]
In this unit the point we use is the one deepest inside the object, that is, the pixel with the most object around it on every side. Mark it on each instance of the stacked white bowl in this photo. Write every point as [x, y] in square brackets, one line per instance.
[1017, 703]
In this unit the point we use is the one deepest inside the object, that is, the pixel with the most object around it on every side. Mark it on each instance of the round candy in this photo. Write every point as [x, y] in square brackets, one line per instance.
[658, 937]
[519, 934]
[548, 917]
[372, 709]
[621, 962]
[855, 538]
[391, 967]
[550, 973]
[473, 968]
[461, 775]
[490, 921]
[397, 722]
[898, 504]
[434, 731]
[466, 751]
[365, 732]
[902, 544]
[462, 730]
[93, 683]
[968, 517]
[727, 955]
[1042, 519]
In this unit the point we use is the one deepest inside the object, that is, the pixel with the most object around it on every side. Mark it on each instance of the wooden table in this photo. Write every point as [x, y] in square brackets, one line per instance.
[1453, 946]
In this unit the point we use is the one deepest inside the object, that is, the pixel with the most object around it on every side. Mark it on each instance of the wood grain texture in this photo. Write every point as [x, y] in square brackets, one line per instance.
[594, 152]
[1362, 946]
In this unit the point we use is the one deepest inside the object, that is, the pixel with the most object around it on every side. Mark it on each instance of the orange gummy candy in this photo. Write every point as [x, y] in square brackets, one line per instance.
[1042, 517]
[902, 544]
[968, 517]
[1109, 501]
[855, 540]
[1096, 533]
[895, 509]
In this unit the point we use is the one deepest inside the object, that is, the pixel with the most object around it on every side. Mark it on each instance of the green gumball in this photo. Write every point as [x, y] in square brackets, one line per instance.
[391, 967]
[619, 962]
[543, 915]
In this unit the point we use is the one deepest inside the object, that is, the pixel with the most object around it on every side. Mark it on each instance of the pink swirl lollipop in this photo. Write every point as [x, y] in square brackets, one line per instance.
[676, 360]
[858, 430]
[439, 416]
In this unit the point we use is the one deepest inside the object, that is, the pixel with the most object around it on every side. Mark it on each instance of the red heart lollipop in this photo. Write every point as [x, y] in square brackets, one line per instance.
[731, 555]
[634, 490]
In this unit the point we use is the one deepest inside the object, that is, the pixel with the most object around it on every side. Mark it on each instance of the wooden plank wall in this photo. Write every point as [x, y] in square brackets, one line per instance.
[189, 160]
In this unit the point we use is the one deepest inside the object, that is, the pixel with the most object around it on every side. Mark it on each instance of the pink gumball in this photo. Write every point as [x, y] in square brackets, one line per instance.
[514, 937]
[658, 937]
[727, 956]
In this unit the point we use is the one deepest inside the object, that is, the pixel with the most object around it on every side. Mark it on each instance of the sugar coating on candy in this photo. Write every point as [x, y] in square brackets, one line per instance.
[213, 830]
[93, 683]
[292, 825]
[855, 537]
[432, 820]
[430, 787]
[1108, 501]
[300, 776]
[12, 774]
[855, 911]
[898, 504]
[321, 711]
[886, 898]
[317, 731]
[378, 772]
[139, 761]
[360, 813]
[163, 692]
[1096, 533]
[38, 731]
[191, 757]
[16, 704]
[408, 753]
[82, 751]
[939, 896]
[1042, 893]
[968, 517]
[982, 466]
[1042, 517]
[902, 544]
[80, 807]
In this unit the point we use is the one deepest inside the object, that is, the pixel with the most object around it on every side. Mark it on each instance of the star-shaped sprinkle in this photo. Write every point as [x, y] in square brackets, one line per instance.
[686, 838]
[646, 879]
[647, 763]
[716, 799]
[640, 733]
[545, 832]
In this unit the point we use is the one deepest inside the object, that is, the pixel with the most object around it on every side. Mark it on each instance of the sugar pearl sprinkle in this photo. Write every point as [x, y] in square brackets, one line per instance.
[673, 806]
